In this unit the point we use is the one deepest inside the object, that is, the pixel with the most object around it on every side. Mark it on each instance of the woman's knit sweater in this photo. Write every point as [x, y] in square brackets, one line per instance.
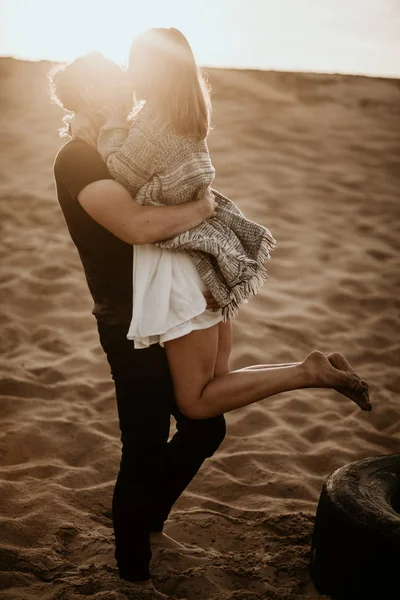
[160, 167]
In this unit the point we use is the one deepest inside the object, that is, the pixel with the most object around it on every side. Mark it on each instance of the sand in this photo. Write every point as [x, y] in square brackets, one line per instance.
[316, 159]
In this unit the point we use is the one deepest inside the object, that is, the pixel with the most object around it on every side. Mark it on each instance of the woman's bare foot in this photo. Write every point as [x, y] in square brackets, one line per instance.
[321, 373]
[338, 361]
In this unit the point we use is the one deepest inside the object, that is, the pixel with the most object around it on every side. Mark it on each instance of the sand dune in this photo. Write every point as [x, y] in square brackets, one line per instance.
[316, 159]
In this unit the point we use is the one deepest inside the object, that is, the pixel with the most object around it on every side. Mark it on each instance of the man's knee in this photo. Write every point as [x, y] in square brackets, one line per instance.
[216, 434]
[142, 456]
[206, 434]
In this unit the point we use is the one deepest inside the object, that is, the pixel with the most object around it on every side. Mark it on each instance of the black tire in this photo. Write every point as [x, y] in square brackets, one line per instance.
[355, 549]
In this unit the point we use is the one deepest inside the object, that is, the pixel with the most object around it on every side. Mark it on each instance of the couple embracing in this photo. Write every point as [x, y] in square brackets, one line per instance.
[168, 261]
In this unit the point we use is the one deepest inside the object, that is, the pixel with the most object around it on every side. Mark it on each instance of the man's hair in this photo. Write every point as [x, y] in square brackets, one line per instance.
[70, 82]
[164, 71]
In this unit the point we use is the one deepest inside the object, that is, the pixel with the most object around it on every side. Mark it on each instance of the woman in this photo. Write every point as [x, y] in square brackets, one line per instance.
[163, 73]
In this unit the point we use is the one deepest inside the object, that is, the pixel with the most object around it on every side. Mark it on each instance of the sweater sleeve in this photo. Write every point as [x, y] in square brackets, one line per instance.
[129, 152]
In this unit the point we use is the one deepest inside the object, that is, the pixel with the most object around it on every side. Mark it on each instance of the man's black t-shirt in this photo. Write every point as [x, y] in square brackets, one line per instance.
[107, 260]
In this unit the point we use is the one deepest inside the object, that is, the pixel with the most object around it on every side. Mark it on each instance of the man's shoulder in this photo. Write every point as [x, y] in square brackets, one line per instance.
[75, 154]
[77, 164]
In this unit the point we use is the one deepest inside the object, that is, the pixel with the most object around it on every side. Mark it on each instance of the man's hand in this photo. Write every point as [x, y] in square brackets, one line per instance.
[207, 204]
[211, 303]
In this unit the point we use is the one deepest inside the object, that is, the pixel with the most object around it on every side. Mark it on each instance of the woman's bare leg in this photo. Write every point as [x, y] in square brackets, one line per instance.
[338, 361]
[269, 366]
[225, 343]
[192, 360]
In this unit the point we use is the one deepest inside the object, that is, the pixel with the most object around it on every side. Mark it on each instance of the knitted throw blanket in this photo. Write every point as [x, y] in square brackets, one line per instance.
[160, 167]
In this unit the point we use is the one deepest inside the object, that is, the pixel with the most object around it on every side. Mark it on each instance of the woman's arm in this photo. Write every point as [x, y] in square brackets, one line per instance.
[130, 153]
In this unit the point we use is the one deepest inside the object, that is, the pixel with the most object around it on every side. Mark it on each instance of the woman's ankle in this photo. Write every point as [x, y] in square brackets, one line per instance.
[306, 373]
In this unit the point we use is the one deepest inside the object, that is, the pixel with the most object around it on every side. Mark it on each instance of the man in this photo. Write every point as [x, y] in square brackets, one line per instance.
[104, 221]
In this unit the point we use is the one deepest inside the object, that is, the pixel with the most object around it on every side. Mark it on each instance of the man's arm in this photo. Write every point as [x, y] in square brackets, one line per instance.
[80, 169]
[111, 205]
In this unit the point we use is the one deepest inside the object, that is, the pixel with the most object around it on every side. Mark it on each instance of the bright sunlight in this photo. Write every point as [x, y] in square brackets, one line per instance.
[298, 35]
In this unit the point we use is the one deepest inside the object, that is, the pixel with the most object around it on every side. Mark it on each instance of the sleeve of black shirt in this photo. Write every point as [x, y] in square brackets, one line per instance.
[78, 164]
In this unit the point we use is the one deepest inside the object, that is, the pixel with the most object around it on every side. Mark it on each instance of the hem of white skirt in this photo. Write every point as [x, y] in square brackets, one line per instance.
[173, 333]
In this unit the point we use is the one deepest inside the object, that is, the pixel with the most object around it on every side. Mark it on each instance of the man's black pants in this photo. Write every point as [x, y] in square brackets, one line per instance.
[153, 472]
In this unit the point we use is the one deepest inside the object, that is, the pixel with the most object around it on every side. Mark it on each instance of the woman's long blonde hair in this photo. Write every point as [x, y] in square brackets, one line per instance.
[164, 72]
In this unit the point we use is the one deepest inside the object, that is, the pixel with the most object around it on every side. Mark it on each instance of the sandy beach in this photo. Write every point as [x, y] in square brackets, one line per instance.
[315, 158]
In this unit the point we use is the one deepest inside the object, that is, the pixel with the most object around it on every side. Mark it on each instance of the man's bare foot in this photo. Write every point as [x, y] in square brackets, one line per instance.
[178, 559]
[338, 361]
[144, 590]
[321, 373]
[159, 539]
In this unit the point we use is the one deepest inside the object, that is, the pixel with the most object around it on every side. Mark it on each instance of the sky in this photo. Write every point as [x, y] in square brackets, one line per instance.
[347, 36]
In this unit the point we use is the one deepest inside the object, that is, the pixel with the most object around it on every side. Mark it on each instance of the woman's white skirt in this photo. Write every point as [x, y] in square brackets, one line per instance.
[168, 299]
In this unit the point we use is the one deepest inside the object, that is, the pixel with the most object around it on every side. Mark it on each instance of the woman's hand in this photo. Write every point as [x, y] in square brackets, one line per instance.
[211, 303]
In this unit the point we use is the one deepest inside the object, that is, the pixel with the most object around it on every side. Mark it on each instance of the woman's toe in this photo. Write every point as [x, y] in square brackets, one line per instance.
[357, 386]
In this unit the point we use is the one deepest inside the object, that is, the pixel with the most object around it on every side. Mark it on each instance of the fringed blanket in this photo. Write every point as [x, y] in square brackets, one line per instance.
[160, 167]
